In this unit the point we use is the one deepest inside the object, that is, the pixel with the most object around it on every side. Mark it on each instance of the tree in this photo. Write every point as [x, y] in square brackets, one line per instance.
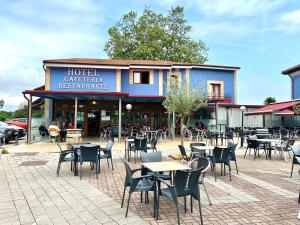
[21, 112]
[184, 103]
[4, 116]
[269, 100]
[154, 36]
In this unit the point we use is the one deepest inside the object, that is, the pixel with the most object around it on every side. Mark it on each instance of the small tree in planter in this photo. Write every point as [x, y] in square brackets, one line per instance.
[184, 102]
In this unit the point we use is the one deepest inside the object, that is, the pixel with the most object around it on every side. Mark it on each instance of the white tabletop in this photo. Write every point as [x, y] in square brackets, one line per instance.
[204, 147]
[165, 166]
[268, 140]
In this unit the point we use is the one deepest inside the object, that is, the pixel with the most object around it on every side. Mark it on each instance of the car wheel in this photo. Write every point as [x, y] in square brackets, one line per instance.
[6, 141]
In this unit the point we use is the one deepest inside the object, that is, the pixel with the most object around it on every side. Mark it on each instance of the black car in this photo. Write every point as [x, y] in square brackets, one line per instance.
[9, 132]
[2, 139]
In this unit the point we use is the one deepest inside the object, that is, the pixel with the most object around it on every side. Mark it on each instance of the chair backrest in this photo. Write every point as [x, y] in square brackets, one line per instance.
[53, 131]
[199, 163]
[59, 147]
[296, 150]
[252, 143]
[109, 145]
[140, 144]
[183, 152]
[128, 178]
[151, 157]
[187, 182]
[88, 153]
[221, 154]
[232, 147]
[252, 137]
[199, 153]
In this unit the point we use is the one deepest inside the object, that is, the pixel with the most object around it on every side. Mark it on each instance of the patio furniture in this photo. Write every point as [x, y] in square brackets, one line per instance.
[281, 149]
[266, 145]
[296, 157]
[136, 184]
[183, 153]
[65, 156]
[186, 183]
[106, 154]
[197, 152]
[251, 144]
[88, 154]
[222, 156]
[204, 164]
[152, 146]
[232, 156]
[139, 145]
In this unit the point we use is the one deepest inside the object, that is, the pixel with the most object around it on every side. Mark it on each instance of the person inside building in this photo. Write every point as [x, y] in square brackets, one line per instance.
[43, 130]
[54, 132]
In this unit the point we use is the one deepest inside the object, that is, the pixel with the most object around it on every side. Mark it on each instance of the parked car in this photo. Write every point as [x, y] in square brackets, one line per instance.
[2, 139]
[8, 131]
[21, 131]
[20, 122]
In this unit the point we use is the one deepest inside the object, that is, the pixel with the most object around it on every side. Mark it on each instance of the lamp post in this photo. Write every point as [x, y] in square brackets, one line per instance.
[1, 103]
[129, 107]
[243, 109]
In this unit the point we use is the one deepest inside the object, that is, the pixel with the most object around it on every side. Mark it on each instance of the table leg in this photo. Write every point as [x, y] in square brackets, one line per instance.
[76, 165]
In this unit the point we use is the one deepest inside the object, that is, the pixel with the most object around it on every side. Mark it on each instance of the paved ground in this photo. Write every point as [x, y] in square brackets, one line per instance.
[262, 193]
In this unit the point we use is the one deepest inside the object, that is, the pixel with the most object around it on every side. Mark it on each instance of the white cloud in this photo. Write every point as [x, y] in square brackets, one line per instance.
[289, 22]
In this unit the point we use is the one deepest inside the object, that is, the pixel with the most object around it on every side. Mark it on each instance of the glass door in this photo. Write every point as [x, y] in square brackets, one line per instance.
[93, 121]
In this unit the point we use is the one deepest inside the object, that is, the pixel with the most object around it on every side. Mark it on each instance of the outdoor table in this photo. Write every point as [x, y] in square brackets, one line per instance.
[77, 147]
[268, 141]
[166, 166]
[128, 141]
[204, 148]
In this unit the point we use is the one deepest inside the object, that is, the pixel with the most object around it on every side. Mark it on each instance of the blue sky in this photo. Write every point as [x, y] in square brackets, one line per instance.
[260, 36]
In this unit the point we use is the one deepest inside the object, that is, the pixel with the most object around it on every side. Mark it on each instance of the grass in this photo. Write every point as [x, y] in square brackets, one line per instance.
[4, 151]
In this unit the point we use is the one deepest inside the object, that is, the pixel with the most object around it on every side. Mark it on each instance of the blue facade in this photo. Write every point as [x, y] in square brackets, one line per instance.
[199, 77]
[104, 80]
[296, 87]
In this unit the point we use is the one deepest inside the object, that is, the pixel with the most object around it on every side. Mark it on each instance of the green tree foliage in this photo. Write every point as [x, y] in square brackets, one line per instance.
[269, 100]
[184, 103]
[5, 116]
[22, 112]
[154, 36]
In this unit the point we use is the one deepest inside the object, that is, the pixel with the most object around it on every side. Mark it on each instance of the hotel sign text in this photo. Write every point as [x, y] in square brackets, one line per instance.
[81, 78]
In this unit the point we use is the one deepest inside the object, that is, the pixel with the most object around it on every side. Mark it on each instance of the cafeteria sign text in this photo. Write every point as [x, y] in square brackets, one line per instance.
[81, 78]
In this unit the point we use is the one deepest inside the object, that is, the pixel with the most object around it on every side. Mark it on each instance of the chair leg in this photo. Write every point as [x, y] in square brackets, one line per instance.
[184, 204]
[58, 168]
[177, 212]
[246, 152]
[128, 201]
[107, 163]
[236, 167]
[191, 200]
[215, 172]
[200, 211]
[206, 193]
[292, 169]
[96, 169]
[229, 171]
[81, 172]
[123, 196]
[112, 165]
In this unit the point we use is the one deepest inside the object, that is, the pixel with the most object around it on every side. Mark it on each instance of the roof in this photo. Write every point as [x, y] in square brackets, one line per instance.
[291, 70]
[269, 109]
[128, 63]
[285, 112]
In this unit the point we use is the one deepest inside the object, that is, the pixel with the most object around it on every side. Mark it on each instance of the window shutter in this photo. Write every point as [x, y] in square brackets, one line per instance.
[130, 77]
[151, 77]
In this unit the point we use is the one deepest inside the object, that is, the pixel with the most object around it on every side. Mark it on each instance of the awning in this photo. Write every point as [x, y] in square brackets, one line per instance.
[285, 112]
[275, 108]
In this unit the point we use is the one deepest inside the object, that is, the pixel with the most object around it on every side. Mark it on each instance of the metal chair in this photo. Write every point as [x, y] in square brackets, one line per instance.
[232, 156]
[183, 153]
[139, 145]
[186, 183]
[153, 144]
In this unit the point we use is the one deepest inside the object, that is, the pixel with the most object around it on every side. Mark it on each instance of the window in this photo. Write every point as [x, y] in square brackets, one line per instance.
[216, 90]
[141, 77]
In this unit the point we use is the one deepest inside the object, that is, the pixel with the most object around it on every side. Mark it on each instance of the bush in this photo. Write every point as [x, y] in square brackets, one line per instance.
[4, 151]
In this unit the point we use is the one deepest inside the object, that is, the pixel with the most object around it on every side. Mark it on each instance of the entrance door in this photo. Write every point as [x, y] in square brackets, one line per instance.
[93, 123]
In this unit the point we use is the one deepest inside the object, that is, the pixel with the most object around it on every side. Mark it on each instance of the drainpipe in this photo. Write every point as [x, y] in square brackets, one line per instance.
[29, 113]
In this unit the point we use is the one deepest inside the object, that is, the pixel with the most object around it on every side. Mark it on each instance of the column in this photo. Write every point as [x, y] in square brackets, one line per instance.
[120, 120]
[29, 120]
[75, 113]
[173, 126]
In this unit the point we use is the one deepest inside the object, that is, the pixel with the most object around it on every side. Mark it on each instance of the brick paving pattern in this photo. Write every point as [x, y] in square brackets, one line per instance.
[262, 193]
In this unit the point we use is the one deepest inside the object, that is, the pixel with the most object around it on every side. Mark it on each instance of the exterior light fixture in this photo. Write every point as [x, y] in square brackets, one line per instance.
[128, 107]
[243, 109]
[94, 102]
[1, 103]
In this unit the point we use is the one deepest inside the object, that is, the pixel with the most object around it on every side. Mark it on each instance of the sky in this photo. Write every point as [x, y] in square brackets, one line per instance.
[260, 36]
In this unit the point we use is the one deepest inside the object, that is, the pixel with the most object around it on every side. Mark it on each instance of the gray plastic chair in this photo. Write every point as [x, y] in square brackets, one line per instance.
[296, 157]
[65, 156]
[107, 154]
[186, 183]
[88, 154]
